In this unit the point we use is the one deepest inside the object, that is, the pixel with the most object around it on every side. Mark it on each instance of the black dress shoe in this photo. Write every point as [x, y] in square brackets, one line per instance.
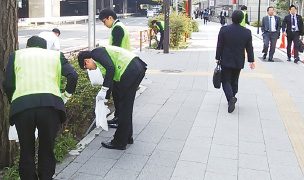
[113, 125]
[270, 60]
[113, 121]
[264, 56]
[288, 59]
[130, 140]
[231, 104]
[296, 60]
[113, 145]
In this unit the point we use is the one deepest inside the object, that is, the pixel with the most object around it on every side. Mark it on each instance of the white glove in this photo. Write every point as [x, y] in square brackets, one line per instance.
[102, 94]
[65, 96]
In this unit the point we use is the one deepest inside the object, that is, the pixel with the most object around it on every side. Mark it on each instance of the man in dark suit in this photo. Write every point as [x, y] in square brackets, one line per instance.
[230, 53]
[294, 30]
[271, 26]
[223, 17]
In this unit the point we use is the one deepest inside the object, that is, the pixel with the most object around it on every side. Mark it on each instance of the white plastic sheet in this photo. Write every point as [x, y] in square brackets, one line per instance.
[13, 135]
[101, 111]
[95, 76]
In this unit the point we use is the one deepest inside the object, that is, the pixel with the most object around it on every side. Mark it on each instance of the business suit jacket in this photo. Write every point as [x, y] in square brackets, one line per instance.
[287, 21]
[265, 24]
[231, 45]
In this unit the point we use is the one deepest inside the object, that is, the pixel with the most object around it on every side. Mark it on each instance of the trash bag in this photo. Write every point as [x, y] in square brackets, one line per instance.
[301, 46]
[95, 76]
[101, 111]
[13, 135]
[217, 76]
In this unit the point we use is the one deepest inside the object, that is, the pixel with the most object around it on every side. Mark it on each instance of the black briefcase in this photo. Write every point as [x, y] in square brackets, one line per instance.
[217, 76]
[301, 48]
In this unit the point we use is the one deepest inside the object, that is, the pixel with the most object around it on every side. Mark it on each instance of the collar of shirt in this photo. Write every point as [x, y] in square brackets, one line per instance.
[114, 22]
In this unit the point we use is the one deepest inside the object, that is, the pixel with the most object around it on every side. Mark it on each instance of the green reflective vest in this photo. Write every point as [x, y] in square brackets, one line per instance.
[243, 22]
[37, 71]
[162, 23]
[125, 43]
[120, 57]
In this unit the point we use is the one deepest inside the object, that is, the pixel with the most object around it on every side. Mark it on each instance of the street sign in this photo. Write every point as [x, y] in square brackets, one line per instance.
[211, 3]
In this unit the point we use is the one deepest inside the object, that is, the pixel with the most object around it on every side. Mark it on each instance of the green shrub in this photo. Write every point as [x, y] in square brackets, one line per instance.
[63, 144]
[194, 25]
[255, 24]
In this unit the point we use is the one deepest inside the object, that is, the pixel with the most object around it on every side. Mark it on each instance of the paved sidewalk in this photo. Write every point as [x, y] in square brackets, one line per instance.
[183, 131]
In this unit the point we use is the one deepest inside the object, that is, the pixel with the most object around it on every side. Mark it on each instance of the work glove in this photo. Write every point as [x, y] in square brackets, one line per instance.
[102, 94]
[65, 97]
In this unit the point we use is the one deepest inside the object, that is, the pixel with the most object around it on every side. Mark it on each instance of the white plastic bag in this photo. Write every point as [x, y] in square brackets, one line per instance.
[101, 111]
[13, 135]
[95, 76]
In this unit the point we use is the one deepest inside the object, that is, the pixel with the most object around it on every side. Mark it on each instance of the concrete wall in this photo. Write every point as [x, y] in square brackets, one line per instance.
[44, 8]
[36, 8]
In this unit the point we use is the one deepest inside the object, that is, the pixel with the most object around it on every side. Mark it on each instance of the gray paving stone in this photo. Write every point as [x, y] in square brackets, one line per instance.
[152, 172]
[177, 133]
[161, 118]
[152, 133]
[96, 143]
[251, 136]
[131, 162]
[253, 148]
[223, 139]
[170, 108]
[275, 134]
[278, 145]
[200, 132]
[279, 172]
[170, 145]
[222, 151]
[108, 134]
[216, 176]
[97, 166]
[198, 142]
[149, 110]
[249, 174]
[85, 155]
[256, 162]
[282, 158]
[194, 155]
[141, 148]
[85, 176]
[121, 174]
[69, 171]
[222, 166]
[190, 170]
[164, 158]
[108, 153]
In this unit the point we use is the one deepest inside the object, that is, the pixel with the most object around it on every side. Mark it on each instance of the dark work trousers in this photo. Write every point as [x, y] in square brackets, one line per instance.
[293, 37]
[205, 20]
[230, 78]
[47, 120]
[270, 37]
[115, 94]
[223, 20]
[126, 102]
[160, 43]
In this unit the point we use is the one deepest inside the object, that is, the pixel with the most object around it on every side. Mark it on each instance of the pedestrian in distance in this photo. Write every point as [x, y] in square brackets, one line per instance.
[223, 17]
[205, 14]
[52, 39]
[271, 27]
[160, 26]
[232, 42]
[127, 70]
[119, 37]
[32, 84]
[245, 16]
[292, 27]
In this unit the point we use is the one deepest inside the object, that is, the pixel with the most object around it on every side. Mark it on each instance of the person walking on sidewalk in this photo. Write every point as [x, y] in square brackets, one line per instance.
[223, 17]
[52, 39]
[119, 37]
[230, 53]
[127, 70]
[245, 16]
[160, 26]
[294, 30]
[271, 26]
[205, 14]
[32, 84]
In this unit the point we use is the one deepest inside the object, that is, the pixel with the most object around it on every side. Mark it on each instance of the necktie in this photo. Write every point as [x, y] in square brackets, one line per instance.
[270, 24]
[293, 24]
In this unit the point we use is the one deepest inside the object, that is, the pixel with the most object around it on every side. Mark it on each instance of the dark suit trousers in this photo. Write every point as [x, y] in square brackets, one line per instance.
[160, 43]
[115, 94]
[47, 120]
[126, 102]
[230, 78]
[271, 37]
[293, 37]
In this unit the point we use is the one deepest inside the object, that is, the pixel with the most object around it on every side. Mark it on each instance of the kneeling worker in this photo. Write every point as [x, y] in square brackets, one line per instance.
[127, 70]
[160, 26]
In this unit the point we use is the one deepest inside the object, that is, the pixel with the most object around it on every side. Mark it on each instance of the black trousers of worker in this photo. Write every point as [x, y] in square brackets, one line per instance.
[47, 120]
[293, 37]
[126, 102]
[230, 79]
[160, 43]
[115, 94]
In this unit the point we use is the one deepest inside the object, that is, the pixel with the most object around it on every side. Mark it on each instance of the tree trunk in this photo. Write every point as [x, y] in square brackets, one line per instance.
[8, 44]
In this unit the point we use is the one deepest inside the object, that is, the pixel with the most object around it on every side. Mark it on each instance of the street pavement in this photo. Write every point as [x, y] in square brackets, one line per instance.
[182, 129]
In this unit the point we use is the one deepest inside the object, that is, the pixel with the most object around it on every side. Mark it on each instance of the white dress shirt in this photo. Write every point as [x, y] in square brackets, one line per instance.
[273, 23]
[51, 39]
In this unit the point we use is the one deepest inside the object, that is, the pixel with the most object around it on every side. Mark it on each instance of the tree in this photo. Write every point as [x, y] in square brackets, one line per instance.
[8, 44]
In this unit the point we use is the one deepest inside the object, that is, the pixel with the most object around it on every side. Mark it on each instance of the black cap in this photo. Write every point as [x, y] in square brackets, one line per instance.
[56, 30]
[82, 56]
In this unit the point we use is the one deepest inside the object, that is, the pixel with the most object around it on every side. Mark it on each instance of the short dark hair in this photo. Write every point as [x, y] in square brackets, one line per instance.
[82, 56]
[36, 41]
[291, 6]
[106, 13]
[154, 21]
[56, 30]
[269, 8]
[244, 7]
[237, 16]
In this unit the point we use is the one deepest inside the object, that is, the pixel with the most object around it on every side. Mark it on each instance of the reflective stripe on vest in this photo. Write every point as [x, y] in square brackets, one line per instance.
[243, 22]
[37, 71]
[125, 43]
[121, 58]
[162, 23]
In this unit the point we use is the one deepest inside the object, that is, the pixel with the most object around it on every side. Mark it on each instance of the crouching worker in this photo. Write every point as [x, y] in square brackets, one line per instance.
[127, 70]
[32, 85]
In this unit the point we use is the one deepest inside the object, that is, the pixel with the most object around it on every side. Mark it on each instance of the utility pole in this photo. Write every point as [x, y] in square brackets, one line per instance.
[258, 31]
[167, 27]
[190, 8]
[91, 23]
